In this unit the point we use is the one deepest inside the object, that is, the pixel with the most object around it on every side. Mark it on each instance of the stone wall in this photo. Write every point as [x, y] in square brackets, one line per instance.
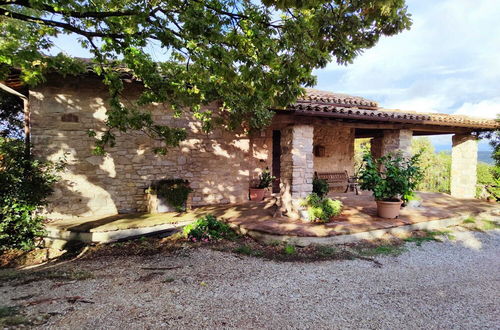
[219, 165]
[463, 166]
[339, 149]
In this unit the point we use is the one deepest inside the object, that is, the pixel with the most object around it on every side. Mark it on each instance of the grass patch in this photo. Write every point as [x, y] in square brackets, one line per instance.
[14, 320]
[429, 236]
[470, 220]
[247, 250]
[324, 251]
[480, 225]
[168, 280]
[289, 249]
[489, 225]
[281, 252]
[9, 275]
[25, 277]
[386, 250]
[11, 316]
[8, 311]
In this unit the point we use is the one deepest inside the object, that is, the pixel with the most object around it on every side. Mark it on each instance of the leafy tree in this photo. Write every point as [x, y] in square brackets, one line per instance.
[436, 166]
[25, 184]
[11, 112]
[488, 181]
[493, 184]
[361, 146]
[250, 55]
[495, 143]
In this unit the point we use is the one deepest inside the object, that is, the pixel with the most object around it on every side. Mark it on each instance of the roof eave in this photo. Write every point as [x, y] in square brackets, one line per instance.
[395, 117]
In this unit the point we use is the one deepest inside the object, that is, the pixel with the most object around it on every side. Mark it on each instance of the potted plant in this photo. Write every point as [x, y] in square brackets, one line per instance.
[168, 195]
[392, 179]
[258, 191]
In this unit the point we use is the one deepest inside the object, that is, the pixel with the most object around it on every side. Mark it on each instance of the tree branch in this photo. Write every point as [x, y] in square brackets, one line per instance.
[66, 26]
[76, 14]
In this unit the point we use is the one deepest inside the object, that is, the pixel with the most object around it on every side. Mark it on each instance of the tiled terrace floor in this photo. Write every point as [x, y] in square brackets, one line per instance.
[359, 215]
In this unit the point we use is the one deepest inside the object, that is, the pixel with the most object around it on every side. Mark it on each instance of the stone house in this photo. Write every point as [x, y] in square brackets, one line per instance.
[221, 165]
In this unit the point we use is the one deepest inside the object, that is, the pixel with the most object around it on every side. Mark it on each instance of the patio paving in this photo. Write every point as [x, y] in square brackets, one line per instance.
[359, 216]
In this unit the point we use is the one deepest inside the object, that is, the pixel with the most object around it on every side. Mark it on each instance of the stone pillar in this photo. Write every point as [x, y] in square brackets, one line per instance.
[297, 167]
[463, 166]
[396, 140]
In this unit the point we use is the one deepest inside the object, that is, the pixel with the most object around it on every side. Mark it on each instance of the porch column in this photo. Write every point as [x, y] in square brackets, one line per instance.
[297, 168]
[463, 166]
[396, 140]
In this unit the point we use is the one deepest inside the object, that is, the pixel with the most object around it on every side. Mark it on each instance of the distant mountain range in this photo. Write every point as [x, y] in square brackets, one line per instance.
[482, 155]
[485, 156]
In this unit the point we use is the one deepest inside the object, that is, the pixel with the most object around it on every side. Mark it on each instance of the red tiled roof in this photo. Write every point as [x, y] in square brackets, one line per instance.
[324, 97]
[343, 106]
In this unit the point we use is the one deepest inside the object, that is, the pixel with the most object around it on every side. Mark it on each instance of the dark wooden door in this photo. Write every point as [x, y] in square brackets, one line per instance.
[276, 160]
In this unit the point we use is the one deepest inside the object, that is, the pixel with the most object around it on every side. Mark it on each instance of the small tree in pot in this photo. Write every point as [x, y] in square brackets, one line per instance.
[265, 180]
[392, 179]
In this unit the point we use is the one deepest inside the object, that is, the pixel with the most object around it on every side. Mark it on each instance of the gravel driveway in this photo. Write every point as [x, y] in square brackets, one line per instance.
[437, 285]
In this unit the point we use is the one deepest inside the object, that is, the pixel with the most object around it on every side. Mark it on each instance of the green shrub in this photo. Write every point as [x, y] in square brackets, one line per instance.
[488, 176]
[208, 228]
[25, 184]
[289, 249]
[391, 177]
[19, 226]
[175, 192]
[320, 187]
[322, 209]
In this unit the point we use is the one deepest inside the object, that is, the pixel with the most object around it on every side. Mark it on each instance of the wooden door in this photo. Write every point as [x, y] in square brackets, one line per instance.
[276, 171]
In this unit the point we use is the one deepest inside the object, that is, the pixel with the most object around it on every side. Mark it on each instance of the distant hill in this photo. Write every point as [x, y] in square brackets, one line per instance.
[482, 155]
[485, 156]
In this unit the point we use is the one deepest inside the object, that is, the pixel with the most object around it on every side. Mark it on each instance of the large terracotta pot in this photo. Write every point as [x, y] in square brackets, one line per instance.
[257, 194]
[388, 210]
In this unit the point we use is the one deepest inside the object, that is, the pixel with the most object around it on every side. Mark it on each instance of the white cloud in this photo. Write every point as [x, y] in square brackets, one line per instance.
[448, 62]
[484, 109]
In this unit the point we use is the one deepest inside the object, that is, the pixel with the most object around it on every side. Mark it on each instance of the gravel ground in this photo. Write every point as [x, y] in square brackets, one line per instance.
[453, 284]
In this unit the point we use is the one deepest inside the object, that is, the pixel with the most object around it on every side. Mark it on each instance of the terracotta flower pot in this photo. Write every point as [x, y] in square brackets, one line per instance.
[388, 210]
[257, 194]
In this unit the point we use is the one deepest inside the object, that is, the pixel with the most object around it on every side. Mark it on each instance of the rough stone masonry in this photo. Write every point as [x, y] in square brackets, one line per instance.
[219, 166]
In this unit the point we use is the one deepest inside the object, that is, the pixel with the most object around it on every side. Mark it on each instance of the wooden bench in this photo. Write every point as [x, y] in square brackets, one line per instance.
[338, 179]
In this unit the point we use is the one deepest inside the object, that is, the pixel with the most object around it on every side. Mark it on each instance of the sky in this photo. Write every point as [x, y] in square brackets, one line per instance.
[448, 62]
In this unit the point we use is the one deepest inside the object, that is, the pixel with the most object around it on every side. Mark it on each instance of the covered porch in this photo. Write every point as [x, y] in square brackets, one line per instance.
[331, 122]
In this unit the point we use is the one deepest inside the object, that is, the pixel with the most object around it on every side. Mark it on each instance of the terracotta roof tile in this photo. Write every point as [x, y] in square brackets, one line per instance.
[342, 106]
[315, 95]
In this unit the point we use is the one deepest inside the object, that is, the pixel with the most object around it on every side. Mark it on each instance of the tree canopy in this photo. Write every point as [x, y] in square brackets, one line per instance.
[11, 111]
[250, 55]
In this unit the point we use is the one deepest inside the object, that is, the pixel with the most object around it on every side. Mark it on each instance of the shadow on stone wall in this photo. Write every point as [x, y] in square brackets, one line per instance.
[218, 166]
